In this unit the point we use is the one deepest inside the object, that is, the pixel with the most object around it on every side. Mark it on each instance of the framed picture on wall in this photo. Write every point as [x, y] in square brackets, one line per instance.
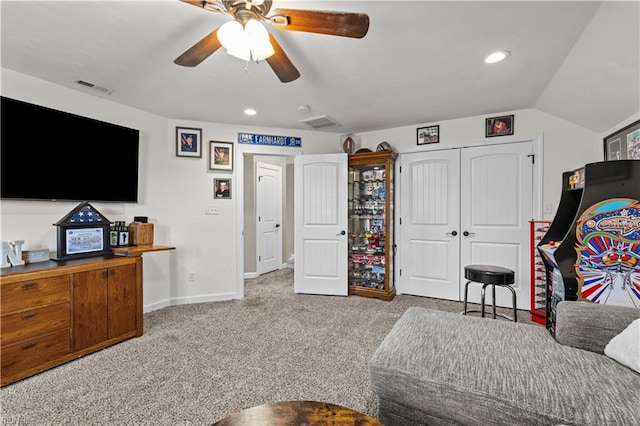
[429, 134]
[623, 144]
[220, 155]
[222, 188]
[188, 142]
[499, 126]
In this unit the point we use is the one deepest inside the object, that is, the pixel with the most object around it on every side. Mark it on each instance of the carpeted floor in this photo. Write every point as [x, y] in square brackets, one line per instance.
[198, 363]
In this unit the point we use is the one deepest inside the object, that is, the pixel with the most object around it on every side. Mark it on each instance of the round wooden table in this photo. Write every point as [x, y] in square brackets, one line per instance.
[298, 413]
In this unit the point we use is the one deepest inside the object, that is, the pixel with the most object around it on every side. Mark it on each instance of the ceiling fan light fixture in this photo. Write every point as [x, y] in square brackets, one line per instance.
[246, 42]
[258, 40]
[254, 3]
[231, 37]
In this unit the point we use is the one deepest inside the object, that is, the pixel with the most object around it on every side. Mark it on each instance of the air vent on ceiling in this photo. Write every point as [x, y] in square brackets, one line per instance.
[94, 87]
[320, 122]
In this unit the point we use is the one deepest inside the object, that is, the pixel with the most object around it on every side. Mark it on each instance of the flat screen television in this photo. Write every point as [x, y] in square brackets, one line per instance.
[46, 154]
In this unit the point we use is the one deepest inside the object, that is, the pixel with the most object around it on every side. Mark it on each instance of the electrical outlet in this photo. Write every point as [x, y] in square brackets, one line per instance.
[548, 208]
[211, 210]
[191, 276]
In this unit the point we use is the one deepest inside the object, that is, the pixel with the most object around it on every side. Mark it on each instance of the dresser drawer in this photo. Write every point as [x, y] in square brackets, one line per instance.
[32, 353]
[32, 323]
[33, 293]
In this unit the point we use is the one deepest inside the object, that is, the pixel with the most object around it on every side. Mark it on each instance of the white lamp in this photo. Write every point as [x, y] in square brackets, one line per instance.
[231, 37]
[258, 39]
[250, 41]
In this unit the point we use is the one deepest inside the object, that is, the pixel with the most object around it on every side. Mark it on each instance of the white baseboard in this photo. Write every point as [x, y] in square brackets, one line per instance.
[189, 300]
[156, 306]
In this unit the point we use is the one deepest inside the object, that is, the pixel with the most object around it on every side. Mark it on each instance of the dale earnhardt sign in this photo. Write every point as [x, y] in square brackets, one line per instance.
[250, 138]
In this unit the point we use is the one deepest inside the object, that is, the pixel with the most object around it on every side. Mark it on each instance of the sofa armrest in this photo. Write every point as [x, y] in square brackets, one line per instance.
[590, 326]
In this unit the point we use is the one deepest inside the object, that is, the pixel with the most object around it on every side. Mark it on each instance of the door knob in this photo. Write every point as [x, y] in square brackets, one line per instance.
[452, 233]
[342, 232]
[467, 233]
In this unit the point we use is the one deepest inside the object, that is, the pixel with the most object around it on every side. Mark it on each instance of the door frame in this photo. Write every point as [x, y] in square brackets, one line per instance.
[241, 151]
[537, 141]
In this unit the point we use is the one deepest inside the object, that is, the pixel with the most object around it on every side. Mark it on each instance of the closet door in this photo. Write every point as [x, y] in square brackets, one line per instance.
[429, 246]
[496, 206]
[320, 200]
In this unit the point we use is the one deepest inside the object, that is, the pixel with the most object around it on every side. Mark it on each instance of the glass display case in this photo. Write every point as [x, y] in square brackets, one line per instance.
[371, 220]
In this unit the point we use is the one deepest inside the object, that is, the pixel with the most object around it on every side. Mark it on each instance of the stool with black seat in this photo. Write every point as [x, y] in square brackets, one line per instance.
[490, 275]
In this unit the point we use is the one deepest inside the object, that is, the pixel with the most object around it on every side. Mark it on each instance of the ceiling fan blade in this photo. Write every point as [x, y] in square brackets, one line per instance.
[199, 51]
[342, 24]
[280, 63]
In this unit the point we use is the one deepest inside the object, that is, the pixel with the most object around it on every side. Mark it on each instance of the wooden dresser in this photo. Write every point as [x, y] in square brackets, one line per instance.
[54, 312]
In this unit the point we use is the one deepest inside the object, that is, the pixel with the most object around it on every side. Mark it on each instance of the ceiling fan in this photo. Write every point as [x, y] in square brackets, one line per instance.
[249, 12]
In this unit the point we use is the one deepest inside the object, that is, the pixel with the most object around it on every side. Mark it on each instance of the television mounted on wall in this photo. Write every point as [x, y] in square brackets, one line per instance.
[47, 154]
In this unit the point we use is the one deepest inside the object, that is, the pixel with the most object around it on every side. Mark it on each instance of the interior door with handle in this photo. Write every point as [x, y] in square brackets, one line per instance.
[320, 200]
[269, 217]
[496, 192]
[430, 224]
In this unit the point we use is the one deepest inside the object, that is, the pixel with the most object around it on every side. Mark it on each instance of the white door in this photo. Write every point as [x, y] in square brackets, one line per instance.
[430, 241]
[496, 206]
[484, 195]
[269, 217]
[320, 200]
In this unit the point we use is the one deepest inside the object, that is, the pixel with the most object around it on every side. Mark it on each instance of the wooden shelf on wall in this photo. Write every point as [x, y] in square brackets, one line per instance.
[139, 250]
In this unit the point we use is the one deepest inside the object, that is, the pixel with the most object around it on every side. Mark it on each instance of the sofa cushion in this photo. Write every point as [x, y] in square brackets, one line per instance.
[591, 326]
[465, 370]
[625, 347]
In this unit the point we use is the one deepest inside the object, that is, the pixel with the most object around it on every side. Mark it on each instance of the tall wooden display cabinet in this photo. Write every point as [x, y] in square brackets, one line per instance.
[371, 219]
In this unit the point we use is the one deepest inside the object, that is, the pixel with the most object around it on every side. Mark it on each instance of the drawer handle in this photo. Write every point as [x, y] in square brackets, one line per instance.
[28, 346]
[28, 315]
[28, 285]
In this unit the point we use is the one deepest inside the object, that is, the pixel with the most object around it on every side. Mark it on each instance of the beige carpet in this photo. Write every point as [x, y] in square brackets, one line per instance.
[198, 363]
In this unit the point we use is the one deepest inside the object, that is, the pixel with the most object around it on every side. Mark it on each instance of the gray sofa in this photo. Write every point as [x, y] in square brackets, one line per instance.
[444, 368]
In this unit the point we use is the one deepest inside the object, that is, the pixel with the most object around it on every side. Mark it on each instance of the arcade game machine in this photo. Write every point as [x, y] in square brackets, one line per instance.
[591, 252]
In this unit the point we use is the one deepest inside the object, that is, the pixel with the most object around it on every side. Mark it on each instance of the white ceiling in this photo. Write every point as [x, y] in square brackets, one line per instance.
[421, 61]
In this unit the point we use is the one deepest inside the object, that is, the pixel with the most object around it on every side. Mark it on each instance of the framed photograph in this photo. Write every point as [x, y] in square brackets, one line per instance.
[623, 144]
[220, 155]
[188, 142]
[499, 126]
[222, 188]
[429, 134]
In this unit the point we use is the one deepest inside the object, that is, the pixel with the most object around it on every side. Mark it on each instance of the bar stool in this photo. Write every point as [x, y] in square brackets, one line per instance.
[490, 275]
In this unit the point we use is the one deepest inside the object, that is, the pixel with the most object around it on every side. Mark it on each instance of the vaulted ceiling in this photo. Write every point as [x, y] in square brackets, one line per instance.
[420, 62]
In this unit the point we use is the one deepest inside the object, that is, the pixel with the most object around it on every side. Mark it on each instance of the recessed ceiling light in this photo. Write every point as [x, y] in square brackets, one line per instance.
[250, 111]
[498, 56]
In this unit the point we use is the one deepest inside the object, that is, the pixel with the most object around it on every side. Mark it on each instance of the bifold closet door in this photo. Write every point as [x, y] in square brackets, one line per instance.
[496, 205]
[429, 246]
[464, 206]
